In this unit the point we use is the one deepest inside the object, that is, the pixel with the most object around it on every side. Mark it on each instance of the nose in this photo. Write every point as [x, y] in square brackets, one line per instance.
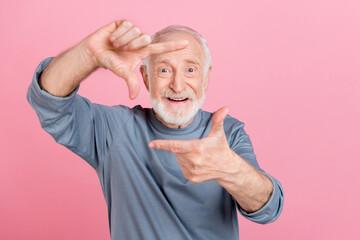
[177, 84]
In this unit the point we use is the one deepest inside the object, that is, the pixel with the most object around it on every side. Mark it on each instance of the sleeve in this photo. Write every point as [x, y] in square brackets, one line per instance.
[85, 128]
[241, 144]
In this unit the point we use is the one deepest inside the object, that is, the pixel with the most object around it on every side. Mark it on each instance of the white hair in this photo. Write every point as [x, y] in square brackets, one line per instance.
[178, 28]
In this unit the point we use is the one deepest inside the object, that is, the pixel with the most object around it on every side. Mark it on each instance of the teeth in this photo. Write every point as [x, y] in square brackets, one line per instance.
[178, 100]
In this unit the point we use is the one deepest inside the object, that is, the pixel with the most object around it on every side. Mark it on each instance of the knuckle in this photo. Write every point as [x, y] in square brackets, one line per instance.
[117, 23]
[126, 23]
[146, 39]
[174, 147]
[139, 42]
[193, 172]
[136, 30]
[121, 41]
[198, 163]
[194, 179]
[196, 166]
[118, 42]
[132, 45]
[200, 148]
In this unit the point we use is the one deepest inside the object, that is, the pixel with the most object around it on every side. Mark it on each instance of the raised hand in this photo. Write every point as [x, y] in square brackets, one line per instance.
[205, 159]
[120, 46]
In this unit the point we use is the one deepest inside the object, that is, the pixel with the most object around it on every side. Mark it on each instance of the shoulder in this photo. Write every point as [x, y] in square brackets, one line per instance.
[232, 124]
[234, 129]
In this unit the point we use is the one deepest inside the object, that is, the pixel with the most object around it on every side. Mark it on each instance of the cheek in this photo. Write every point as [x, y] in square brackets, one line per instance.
[198, 88]
[200, 94]
[156, 87]
[154, 92]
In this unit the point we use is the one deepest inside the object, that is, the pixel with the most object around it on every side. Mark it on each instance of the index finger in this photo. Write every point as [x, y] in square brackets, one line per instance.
[175, 146]
[163, 47]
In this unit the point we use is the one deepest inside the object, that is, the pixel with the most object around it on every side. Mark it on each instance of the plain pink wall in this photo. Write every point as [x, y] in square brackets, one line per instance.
[288, 69]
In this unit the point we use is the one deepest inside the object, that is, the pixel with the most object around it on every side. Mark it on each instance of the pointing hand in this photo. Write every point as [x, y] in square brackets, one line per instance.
[205, 159]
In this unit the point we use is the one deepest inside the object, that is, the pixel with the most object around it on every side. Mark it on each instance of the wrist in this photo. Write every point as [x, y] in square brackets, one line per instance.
[236, 170]
[87, 57]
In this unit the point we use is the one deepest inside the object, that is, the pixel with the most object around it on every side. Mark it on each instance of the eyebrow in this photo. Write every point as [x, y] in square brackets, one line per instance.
[193, 60]
[166, 60]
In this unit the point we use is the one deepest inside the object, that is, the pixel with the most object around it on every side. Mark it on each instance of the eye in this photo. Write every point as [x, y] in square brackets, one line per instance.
[164, 71]
[191, 70]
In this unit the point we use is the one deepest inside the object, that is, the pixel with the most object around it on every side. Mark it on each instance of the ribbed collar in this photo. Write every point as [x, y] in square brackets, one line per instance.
[174, 131]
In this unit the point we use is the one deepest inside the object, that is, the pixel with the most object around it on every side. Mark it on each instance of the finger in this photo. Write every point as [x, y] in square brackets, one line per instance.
[175, 146]
[130, 79]
[133, 33]
[122, 26]
[164, 47]
[218, 120]
[133, 84]
[110, 27]
[139, 42]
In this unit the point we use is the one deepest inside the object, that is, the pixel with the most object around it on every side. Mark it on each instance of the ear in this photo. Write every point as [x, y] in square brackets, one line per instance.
[206, 83]
[145, 76]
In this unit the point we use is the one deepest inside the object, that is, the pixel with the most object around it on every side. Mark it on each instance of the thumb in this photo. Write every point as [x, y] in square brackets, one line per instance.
[133, 84]
[217, 125]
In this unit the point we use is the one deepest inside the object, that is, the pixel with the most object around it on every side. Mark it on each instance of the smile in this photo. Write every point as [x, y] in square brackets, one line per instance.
[178, 100]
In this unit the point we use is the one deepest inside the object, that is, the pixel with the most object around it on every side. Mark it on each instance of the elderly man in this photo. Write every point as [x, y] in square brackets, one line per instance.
[171, 172]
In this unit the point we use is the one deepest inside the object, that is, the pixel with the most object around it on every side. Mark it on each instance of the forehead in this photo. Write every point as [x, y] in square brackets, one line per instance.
[194, 51]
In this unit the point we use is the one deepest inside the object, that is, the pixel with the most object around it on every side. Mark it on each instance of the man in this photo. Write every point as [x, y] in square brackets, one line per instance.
[171, 172]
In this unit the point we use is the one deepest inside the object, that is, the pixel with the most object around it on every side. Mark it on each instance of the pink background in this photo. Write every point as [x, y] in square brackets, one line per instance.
[289, 69]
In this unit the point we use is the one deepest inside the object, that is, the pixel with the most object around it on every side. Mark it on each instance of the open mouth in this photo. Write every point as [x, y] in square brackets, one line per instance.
[178, 99]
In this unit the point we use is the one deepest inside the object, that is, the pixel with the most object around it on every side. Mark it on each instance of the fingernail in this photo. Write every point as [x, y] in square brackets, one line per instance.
[116, 45]
[125, 48]
[131, 96]
[151, 145]
[112, 38]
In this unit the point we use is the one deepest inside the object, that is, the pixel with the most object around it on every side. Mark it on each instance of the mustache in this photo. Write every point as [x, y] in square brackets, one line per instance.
[169, 93]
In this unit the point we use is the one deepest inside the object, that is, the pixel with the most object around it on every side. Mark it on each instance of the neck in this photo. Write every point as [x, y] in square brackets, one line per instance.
[169, 125]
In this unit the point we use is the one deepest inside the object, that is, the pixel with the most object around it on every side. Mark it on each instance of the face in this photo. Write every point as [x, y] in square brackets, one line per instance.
[176, 81]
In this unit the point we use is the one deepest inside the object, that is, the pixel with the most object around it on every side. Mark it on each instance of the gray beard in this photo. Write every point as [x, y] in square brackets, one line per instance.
[179, 117]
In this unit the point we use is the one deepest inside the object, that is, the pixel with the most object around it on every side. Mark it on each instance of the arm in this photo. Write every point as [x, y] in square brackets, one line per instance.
[258, 195]
[73, 121]
[119, 47]
[250, 188]
[65, 72]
